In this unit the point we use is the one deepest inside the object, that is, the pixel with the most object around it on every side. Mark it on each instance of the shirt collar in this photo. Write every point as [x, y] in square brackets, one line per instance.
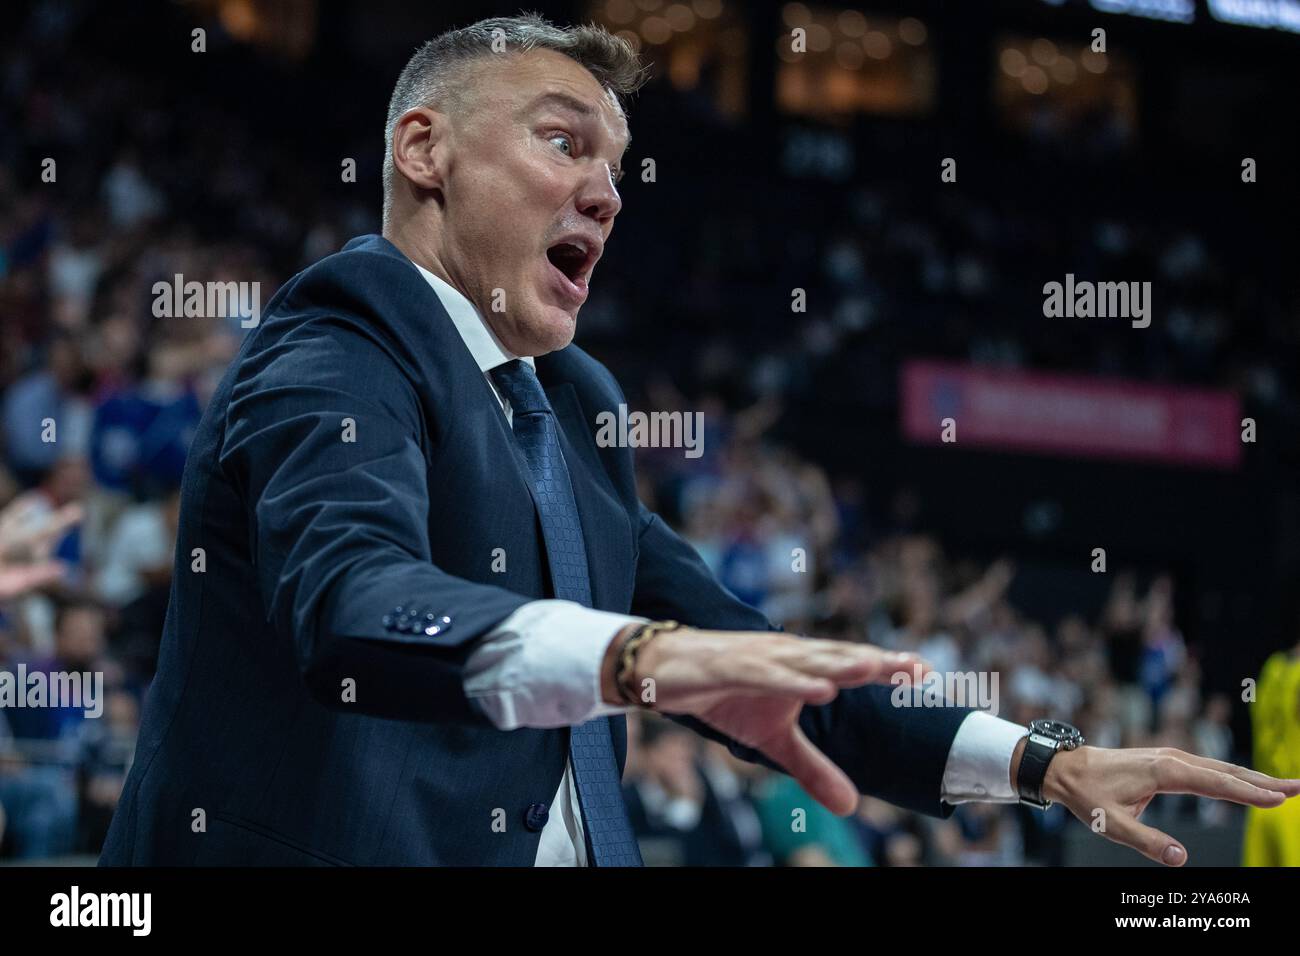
[478, 336]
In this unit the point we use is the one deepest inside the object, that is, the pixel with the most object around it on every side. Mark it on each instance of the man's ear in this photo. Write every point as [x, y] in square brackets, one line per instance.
[418, 152]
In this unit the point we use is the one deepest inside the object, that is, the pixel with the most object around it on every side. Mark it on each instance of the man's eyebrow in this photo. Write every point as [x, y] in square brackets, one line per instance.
[571, 103]
[563, 100]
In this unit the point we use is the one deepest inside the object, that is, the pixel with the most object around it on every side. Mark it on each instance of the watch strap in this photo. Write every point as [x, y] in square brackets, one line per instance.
[1038, 753]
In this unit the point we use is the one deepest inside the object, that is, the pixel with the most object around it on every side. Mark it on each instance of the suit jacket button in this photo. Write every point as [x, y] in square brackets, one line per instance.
[535, 817]
[388, 622]
[438, 625]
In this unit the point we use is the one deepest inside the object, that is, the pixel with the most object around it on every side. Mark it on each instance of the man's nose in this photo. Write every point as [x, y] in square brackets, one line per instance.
[599, 197]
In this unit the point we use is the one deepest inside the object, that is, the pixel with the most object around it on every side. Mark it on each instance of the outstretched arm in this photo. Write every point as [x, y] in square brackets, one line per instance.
[1109, 789]
[798, 703]
[901, 754]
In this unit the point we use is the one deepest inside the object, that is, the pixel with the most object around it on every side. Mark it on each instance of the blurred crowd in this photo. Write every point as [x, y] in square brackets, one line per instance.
[99, 399]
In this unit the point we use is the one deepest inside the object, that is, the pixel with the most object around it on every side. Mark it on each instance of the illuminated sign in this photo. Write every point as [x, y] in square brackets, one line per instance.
[1262, 14]
[1072, 415]
[1177, 11]
[1270, 14]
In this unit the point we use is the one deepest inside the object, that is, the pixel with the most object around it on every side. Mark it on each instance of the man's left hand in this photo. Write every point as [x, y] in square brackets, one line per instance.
[1109, 789]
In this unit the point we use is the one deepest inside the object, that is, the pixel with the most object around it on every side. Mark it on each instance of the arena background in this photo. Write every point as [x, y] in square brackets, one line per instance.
[773, 171]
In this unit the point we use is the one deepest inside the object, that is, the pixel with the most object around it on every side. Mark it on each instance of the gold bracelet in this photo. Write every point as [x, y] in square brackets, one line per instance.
[627, 655]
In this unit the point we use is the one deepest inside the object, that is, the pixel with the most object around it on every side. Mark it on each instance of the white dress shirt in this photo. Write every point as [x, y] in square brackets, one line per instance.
[540, 667]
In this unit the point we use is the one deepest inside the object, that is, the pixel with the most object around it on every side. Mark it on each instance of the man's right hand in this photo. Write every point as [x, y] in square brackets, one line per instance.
[751, 686]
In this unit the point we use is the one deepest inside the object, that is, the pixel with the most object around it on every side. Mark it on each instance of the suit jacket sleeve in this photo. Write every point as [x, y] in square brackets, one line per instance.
[895, 753]
[325, 438]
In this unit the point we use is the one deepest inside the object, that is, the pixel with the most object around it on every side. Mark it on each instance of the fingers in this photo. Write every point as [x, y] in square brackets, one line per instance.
[1176, 775]
[825, 782]
[1150, 842]
[780, 665]
[763, 678]
[1290, 788]
[851, 665]
[819, 677]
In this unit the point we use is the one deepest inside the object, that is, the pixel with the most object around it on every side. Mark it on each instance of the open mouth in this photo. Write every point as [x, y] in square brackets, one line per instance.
[573, 259]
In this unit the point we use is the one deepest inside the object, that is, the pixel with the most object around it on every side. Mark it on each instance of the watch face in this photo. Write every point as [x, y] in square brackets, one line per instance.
[1056, 729]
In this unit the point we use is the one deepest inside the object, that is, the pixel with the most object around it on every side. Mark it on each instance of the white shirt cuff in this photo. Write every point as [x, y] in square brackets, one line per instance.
[540, 667]
[979, 761]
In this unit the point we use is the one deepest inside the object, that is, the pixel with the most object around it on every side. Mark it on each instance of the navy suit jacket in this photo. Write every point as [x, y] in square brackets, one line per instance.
[353, 465]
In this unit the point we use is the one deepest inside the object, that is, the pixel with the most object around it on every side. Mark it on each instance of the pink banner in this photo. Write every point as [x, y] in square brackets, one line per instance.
[1070, 415]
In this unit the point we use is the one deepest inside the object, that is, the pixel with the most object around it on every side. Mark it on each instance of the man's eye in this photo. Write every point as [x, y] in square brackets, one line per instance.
[565, 139]
[616, 175]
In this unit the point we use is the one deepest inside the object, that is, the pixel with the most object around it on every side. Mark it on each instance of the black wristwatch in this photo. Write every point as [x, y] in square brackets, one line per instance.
[1046, 737]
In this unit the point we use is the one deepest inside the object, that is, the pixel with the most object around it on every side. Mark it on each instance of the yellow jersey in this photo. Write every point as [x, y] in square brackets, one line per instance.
[1273, 836]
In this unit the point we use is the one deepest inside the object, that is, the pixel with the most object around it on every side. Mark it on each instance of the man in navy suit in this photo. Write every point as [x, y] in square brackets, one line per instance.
[414, 595]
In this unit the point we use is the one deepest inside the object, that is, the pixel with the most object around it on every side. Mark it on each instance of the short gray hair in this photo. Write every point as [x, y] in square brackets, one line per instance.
[432, 75]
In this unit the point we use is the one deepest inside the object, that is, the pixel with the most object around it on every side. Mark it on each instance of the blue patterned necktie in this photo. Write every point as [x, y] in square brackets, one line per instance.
[610, 841]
